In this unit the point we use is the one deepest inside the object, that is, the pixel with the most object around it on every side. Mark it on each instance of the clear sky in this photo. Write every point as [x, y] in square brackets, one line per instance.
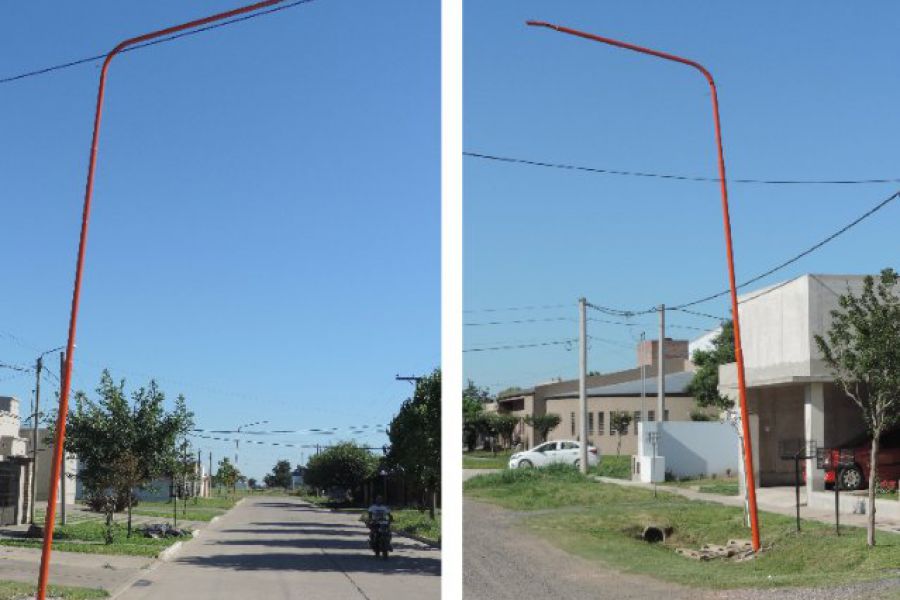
[808, 90]
[265, 233]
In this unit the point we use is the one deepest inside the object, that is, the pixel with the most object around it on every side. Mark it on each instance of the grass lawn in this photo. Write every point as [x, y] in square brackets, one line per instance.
[614, 466]
[88, 537]
[204, 509]
[485, 459]
[601, 521]
[418, 523]
[13, 590]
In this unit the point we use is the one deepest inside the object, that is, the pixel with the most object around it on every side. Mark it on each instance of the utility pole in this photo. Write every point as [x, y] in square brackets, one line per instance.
[582, 382]
[661, 368]
[34, 433]
[210, 474]
[643, 380]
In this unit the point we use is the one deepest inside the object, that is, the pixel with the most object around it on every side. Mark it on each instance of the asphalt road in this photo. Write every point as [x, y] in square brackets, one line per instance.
[284, 548]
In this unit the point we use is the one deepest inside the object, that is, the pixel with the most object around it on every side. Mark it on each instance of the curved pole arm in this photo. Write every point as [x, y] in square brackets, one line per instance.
[59, 441]
[739, 355]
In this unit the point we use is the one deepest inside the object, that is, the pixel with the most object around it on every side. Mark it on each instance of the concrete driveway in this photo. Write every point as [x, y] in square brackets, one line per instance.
[274, 547]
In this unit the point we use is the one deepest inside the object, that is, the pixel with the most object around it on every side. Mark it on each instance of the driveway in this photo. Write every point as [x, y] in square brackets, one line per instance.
[285, 548]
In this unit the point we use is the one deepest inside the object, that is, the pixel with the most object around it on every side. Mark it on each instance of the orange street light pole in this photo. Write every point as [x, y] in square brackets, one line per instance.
[742, 389]
[50, 519]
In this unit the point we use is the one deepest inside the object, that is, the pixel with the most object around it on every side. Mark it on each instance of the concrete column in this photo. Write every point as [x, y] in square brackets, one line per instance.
[814, 431]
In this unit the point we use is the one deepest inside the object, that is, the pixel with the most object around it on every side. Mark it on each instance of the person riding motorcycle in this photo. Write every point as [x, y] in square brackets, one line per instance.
[375, 514]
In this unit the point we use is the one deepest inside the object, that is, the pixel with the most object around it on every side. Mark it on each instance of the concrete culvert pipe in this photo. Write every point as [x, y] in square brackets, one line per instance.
[656, 533]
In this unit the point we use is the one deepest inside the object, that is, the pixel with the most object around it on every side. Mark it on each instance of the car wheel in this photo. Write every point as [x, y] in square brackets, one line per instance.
[525, 464]
[851, 478]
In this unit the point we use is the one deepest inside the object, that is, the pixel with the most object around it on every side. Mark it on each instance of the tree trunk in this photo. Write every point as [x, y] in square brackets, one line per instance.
[129, 516]
[108, 533]
[873, 481]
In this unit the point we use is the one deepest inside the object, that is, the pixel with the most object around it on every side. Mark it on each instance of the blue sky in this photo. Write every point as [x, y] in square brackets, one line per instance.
[265, 232]
[807, 90]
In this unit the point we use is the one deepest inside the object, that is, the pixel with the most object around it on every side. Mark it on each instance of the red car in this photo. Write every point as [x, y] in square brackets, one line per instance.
[855, 456]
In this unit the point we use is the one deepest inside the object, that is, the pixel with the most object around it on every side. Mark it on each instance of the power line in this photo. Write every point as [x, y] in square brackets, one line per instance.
[518, 308]
[81, 61]
[519, 321]
[570, 343]
[797, 257]
[568, 167]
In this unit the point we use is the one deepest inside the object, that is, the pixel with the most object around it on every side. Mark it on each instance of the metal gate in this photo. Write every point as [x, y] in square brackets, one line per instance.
[9, 492]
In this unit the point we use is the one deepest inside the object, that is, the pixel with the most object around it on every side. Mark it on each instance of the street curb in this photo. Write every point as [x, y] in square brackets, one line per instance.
[170, 552]
[427, 542]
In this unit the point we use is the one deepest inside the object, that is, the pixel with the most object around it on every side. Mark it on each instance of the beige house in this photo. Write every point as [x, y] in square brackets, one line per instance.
[561, 397]
[604, 401]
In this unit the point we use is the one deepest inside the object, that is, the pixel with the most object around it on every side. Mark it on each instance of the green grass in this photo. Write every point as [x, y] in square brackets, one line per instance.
[601, 521]
[614, 466]
[14, 590]
[709, 485]
[485, 459]
[88, 537]
[204, 509]
[418, 523]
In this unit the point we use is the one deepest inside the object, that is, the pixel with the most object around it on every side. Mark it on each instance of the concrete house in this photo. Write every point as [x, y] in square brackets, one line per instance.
[617, 391]
[15, 471]
[45, 463]
[792, 398]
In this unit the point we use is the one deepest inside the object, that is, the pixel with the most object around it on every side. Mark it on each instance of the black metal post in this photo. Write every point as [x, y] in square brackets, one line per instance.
[837, 499]
[797, 486]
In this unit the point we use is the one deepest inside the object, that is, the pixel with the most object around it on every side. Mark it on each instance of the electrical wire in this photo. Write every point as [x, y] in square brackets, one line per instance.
[568, 167]
[570, 343]
[81, 61]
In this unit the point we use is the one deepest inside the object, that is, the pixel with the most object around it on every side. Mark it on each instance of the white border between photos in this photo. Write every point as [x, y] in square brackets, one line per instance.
[451, 298]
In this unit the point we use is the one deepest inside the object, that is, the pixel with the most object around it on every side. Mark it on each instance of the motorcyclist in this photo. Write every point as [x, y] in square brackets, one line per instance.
[376, 513]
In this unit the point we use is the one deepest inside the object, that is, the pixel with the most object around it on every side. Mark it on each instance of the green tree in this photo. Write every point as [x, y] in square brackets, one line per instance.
[123, 445]
[704, 386]
[415, 434]
[280, 476]
[343, 465]
[228, 475]
[619, 420]
[862, 351]
[505, 425]
[474, 399]
[543, 424]
[251, 483]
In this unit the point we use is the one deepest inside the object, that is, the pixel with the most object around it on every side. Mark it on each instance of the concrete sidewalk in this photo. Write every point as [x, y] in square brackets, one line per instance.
[775, 500]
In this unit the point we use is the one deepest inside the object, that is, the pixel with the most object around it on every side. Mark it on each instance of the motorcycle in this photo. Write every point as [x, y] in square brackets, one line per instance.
[380, 537]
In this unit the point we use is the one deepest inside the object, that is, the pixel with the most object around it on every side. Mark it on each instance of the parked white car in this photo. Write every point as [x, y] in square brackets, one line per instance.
[565, 451]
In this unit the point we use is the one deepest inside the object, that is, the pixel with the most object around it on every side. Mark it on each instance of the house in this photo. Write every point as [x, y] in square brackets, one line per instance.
[792, 399]
[161, 489]
[297, 477]
[606, 393]
[15, 466]
[45, 465]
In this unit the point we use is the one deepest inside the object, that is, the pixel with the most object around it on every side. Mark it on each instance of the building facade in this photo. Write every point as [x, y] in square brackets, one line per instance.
[15, 466]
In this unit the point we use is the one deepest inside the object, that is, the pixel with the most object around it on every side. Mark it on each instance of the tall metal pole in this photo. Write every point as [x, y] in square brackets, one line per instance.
[729, 252]
[582, 383]
[34, 434]
[661, 368]
[66, 377]
[62, 480]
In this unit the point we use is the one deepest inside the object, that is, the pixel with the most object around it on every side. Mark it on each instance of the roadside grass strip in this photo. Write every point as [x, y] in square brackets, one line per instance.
[485, 459]
[602, 522]
[418, 523]
[708, 485]
[89, 537]
[14, 590]
[618, 467]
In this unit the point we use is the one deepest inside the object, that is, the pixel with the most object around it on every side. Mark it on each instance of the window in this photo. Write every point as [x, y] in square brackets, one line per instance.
[572, 420]
[590, 423]
[637, 419]
[569, 446]
[651, 416]
[546, 447]
[600, 423]
[666, 415]
[612, 431]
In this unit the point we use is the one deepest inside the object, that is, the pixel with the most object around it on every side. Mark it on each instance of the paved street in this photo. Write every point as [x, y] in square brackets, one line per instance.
[273, 547]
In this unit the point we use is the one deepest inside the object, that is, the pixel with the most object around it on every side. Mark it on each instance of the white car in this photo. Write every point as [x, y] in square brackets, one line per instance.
[565, 451]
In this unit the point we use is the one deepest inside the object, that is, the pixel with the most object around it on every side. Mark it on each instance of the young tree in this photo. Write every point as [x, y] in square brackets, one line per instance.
[474, 399]
[251, 483]
[123, 445]
[619, 422]
[415, 435]
[505, 425]
[704, 386]
[543, 424]
[343, 465]
[863, 352]
[228, 475]
[280, 476]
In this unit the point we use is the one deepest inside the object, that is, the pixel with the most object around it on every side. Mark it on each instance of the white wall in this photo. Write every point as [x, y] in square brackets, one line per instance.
[692, 448]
